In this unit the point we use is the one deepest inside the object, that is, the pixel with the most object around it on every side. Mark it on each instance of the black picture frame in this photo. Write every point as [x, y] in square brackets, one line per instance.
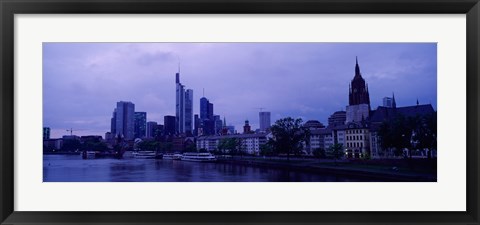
[9, 8]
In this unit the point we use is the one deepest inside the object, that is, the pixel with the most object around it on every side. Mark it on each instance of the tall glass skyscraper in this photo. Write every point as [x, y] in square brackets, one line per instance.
[264, 121]
[123, 120]
[183, 107]
[140, 124]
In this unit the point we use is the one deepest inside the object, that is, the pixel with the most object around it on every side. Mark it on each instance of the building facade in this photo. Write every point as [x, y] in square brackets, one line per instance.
[46, 133]
[358, 108]
[248, 143]
[123, 120]
[151, 129]
[265, 122]
[169, 125]
[140, 124]
[183, 107]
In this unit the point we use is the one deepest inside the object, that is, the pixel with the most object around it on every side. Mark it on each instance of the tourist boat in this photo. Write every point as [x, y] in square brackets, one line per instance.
[88, 154]
[145, 155]
[172, 156]
[198, 157]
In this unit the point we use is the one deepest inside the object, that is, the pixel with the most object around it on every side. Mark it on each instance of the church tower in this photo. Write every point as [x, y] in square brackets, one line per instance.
[358, 108]
[358, 92]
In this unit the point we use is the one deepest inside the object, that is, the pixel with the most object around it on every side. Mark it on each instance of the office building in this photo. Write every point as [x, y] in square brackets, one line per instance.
[140, 124]
[264, 121]
[183, 108]
[46, 133]
[123, 120]
[151, 129]
[169, 125]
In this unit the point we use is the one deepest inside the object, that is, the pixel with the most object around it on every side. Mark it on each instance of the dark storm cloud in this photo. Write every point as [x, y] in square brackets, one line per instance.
[83, 81]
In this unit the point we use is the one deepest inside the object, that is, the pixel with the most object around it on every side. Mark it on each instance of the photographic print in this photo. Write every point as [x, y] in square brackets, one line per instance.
[239, 112]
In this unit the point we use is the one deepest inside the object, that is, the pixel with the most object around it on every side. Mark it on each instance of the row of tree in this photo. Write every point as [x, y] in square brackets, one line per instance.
[409, 133]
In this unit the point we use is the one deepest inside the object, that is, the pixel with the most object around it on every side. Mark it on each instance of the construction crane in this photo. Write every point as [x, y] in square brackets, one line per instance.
[71, 131]
[261, 109]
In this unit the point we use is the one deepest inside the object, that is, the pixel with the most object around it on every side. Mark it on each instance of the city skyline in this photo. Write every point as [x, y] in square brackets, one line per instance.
[306, 80]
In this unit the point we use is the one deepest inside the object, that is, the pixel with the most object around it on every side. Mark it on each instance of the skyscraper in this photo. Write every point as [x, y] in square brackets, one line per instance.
[169, 124]
[387, 102]
[196, 122]
[151, 128]
[264, 121]
[46, 133]
[183, 107]
[204, 108]
[189, 111]
[124, 117]
[140, 124]
[207, 122]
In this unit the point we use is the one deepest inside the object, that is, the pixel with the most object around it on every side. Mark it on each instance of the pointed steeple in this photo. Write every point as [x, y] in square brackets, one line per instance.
[224, 122]
[394, 104]
[417, 102]
[357, 68]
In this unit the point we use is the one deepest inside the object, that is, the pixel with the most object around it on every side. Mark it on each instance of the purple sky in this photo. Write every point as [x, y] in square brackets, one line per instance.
[83, 81]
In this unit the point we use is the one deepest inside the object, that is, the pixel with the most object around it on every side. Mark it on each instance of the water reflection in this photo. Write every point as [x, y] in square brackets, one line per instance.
[71, 168]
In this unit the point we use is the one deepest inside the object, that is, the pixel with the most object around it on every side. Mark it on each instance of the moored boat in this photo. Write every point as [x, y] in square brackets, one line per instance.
[144, 155]
[173, 156]
[198, 157]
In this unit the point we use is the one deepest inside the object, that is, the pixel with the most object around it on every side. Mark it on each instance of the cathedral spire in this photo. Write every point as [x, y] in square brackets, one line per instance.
[357, 68]
[394, 104]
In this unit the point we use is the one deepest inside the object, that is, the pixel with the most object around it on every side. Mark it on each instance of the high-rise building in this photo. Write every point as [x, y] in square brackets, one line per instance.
[218, 124]
[169, 125]
[264, 121]
[140, 124]
[196, 122]
[189, 111]
[359, 98]
[151, 128]
[387, 102]
[204, 108]
[183, 108]
[46, 133]
[113, 121]
[123, 120]
[207, 122]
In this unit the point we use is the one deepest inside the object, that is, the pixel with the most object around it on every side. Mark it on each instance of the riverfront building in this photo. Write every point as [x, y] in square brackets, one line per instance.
[248, 143]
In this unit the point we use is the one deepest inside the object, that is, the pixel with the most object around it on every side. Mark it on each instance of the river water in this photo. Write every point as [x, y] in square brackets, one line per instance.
[72, 168]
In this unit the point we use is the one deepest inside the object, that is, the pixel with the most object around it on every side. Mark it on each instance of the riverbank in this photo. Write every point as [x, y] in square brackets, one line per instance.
[398, 170]
[61, 153]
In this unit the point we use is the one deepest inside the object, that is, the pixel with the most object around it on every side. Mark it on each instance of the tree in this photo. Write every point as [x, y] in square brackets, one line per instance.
[288, 135]
[319, 153]
[266, 150]
[409, 133]
[337, 151]
[229, 145]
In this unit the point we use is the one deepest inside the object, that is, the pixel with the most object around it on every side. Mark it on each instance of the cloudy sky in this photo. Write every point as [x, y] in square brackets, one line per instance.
[83, 81]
